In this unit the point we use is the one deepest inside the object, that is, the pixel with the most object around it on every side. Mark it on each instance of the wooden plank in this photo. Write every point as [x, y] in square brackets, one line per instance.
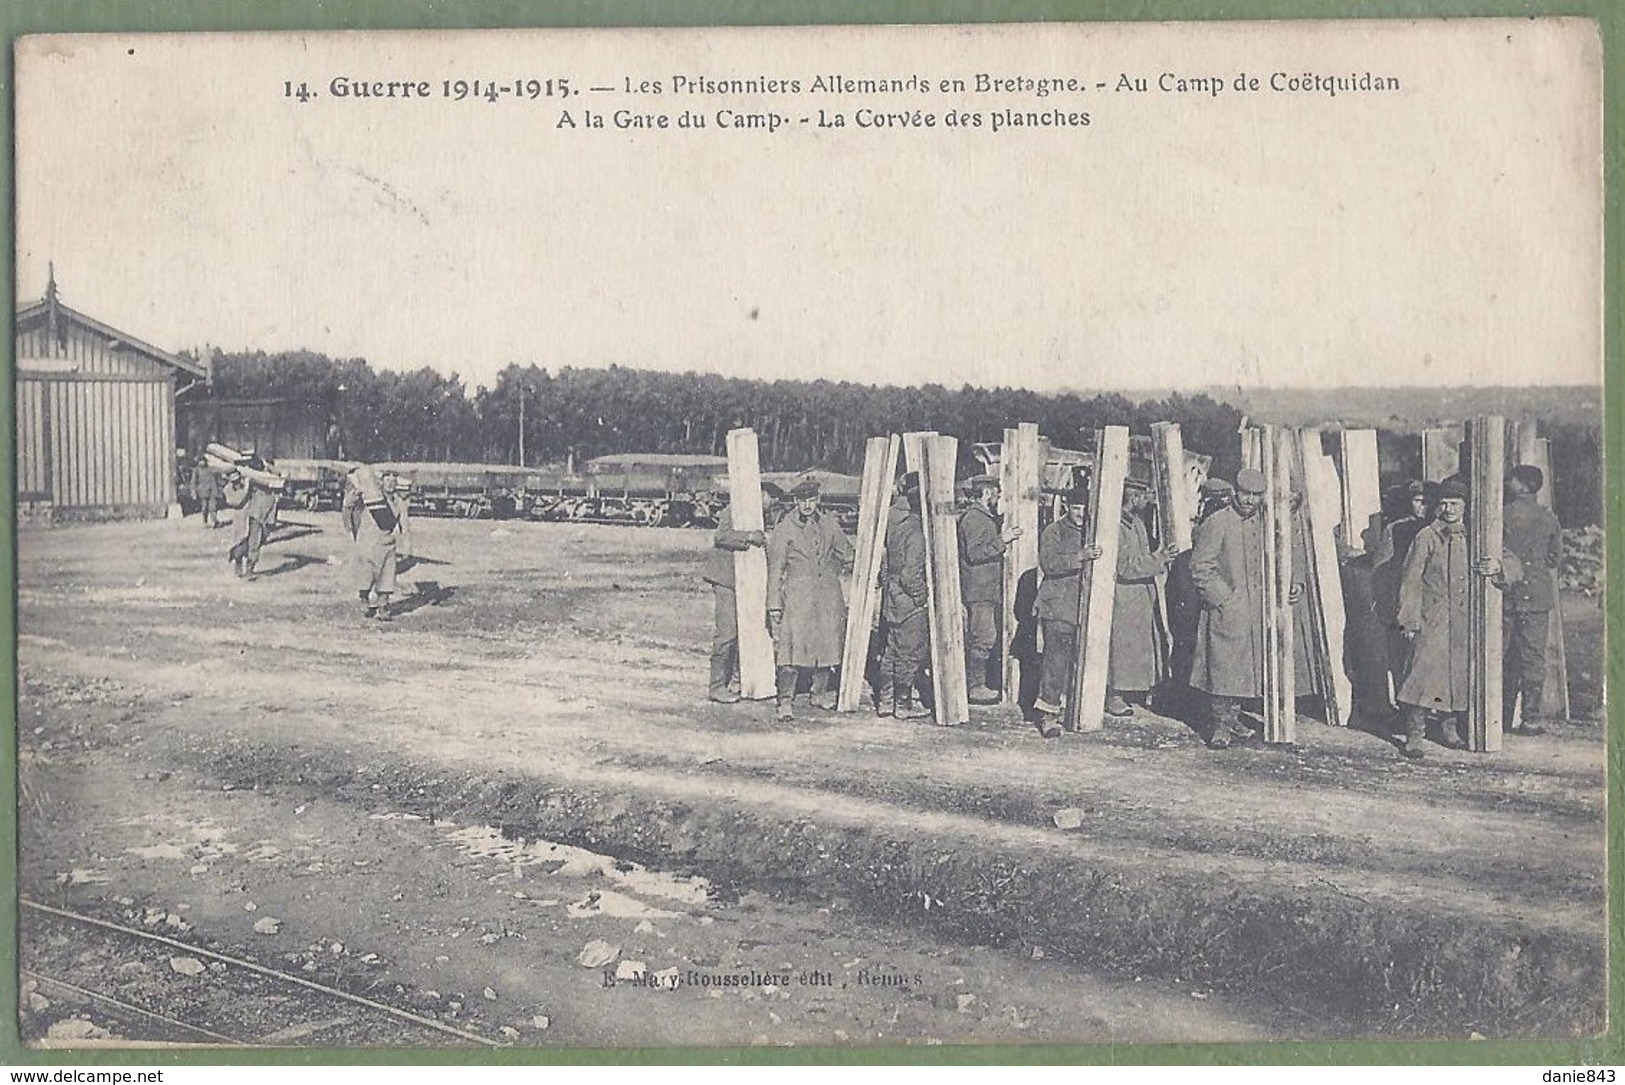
[1328, 615]
[874, 503]
[1441, 453]
[1171, 480]
[948, 649]
[1086, 703]
[1486, 454]
[1362, 486]
[915, 460]
[756, 668]
[1280, 671]
[1019, 494]
[1535, 450]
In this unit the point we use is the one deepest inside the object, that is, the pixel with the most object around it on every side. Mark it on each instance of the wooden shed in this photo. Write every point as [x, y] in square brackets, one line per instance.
[95, 416]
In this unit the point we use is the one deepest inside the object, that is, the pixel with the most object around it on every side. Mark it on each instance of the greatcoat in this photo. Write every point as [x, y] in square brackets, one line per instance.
[1433, 601]
[805, 560]
[1139, 652]
[1227, 568]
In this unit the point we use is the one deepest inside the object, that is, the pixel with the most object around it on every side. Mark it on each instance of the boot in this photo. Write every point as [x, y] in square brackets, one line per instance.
[1225, 713]
[982, 695]
[1415, 723]
[721, 671]
[1116, 706]
[785, 682]
[822, 696]
[906, 706]
[383, 607]
[885, 704]
[1048, 726]
[1453, 732]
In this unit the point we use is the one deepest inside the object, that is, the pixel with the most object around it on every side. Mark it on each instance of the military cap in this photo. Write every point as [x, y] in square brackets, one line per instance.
[1452, 487]
[1530, 475]
[1077, 493]
[1250, 480]
[806, 488]
[1217, 487]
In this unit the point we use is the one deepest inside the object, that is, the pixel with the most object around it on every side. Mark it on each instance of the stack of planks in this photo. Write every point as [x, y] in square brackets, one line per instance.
[1020, 464]
[1269, 449]
[750, 568]
[874, 501]
[935, 458]
[1097, 591]
[1317, 521]
[1486, 455]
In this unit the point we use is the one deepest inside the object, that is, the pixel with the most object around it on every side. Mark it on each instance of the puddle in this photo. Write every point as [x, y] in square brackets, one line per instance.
[571, 862]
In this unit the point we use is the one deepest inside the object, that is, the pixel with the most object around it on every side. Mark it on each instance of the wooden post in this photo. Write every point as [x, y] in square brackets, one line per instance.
[750, 568]
[1280, 670]
[948, 651]
[1441, 453]
[1018, 498]
[1328, 617]
[1098, 588]
[874, 502]
[1536, 451]
[1176, 505]
[1486, 453]
[1362, 485]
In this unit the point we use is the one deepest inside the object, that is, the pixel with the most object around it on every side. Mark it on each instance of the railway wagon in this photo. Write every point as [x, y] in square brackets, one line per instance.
[472, 490]
[654, 489]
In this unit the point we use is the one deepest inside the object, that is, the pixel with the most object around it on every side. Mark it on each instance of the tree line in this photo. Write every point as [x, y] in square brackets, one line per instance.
[550, 416]
[423, 415]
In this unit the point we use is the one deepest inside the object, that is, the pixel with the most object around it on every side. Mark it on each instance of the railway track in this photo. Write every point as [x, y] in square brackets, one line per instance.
[137, 986]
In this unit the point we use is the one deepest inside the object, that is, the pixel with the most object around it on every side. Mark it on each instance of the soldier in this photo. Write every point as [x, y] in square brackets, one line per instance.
[255, 502]
[904, 596]
[374, 509]
[981, 581]
[1062, 555]
[206, 488]
[806, 555]
[1139, 648]
[1433, 619]
[1185, 607]
[1532, 533]
[401, 504]
[719, 573]
[1227, 568]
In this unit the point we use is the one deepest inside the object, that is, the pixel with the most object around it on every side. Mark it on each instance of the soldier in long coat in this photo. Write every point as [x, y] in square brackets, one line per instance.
[719, 573]
[1227, 568]
[1139, 653]
[1063, 553]
[807, 553]
[904, 596]
[1433, 617]
[982, 543]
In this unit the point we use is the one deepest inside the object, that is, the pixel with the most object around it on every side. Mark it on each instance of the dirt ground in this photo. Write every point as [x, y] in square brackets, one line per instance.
[412, 793]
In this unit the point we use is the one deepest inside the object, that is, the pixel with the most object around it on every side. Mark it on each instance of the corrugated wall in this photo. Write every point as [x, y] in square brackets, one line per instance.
[88, 444]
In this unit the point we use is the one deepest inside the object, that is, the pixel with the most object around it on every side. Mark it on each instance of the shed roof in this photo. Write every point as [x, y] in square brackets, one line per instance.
[35, 314]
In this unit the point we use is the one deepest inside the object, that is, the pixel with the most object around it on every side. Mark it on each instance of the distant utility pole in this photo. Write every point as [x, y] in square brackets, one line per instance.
[522, 390]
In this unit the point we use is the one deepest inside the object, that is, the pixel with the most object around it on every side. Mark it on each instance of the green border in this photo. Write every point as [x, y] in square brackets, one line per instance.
[20, 17]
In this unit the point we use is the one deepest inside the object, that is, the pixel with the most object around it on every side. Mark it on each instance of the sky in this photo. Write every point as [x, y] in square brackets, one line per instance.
[1447, 232]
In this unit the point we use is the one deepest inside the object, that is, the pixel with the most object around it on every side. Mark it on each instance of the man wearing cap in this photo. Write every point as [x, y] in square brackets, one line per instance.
[206, 488]
[1388, 569]
[982, 544]
[1433, 618]
[255, 503]
[904, 595]
[719, 573]
[1227, 567]
[806, 555]
[1063, 553]
[1185, 604]
[1531, 532]
[372, 506]
[1139, 653]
